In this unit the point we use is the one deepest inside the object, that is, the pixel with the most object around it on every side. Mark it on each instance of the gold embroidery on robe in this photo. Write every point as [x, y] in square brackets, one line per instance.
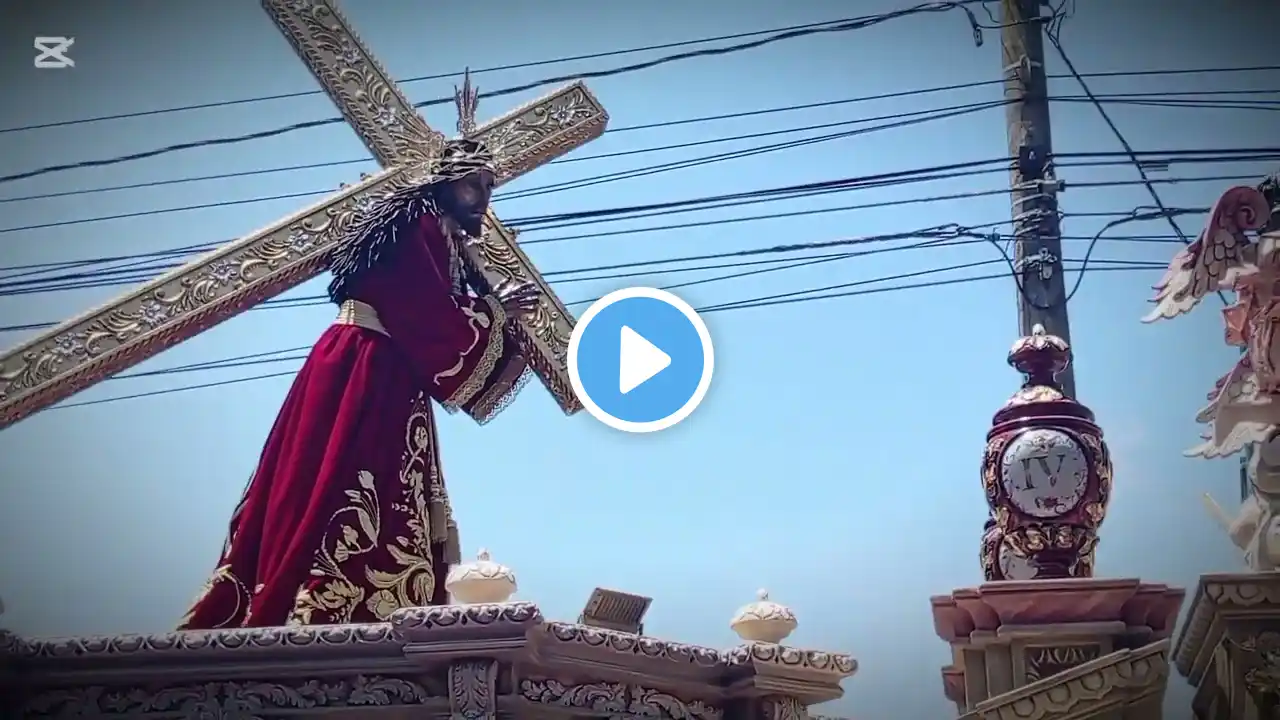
[337, 597]
[440, 527]
[222, 574]
[492, 352]
[411, 581]
[503, 390]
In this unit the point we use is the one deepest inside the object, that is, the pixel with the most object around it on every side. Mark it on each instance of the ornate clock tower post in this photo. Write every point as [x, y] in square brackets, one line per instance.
[1042, 633]
[1046, 473]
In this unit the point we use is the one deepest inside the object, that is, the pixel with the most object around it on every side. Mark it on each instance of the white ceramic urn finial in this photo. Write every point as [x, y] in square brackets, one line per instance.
[481, 581]
[764, 621]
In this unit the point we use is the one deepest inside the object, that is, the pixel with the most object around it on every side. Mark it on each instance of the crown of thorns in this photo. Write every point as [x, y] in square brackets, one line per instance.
[459, 158]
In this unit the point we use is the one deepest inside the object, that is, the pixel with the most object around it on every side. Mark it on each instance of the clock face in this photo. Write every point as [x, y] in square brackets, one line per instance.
[1044, 472]
[1015, 567]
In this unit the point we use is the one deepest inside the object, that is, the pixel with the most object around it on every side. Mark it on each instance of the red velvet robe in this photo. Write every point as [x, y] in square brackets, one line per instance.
[346, 518]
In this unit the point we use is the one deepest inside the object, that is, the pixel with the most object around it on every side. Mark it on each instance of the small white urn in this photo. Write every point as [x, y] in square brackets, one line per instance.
[764, 621]
[481, 581]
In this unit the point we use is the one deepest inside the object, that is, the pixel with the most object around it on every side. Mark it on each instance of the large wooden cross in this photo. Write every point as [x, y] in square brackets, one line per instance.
[185, 302]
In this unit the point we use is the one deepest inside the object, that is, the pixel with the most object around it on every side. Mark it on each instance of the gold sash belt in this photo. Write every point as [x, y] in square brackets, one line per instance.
[362, 315]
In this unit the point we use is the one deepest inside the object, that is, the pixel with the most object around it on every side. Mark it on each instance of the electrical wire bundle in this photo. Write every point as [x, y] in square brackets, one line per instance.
[126, 269]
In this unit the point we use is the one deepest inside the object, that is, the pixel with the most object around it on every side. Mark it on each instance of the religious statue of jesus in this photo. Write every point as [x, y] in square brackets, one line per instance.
[346, 518]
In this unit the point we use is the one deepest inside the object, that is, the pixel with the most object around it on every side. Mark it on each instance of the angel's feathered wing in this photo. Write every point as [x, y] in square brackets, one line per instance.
[1237, 426]
[1220, 252]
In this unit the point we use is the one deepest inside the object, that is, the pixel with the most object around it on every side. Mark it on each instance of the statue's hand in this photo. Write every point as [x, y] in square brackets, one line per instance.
[517, 298]
[1248, 521]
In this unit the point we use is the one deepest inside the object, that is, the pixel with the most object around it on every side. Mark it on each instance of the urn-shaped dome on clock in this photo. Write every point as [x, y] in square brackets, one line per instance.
[1046, 473]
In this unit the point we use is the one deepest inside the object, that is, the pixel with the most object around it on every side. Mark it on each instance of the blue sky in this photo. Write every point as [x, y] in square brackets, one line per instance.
[835, 458]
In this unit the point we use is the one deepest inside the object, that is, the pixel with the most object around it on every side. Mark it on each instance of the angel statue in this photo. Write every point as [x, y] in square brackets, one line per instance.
[1256, 527]
[1243, 407]
[1224, 257]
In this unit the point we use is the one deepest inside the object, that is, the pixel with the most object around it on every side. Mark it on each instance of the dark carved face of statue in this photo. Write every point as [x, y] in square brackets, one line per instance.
[466, 200]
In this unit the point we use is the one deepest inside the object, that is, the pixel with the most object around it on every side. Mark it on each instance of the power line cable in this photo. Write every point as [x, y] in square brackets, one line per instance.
[1187, 93]
[149, 273]
[262, 358]
[137, 259]
[516, 222]
[119, 280]
[414, 79]
[875, 291]
[679, 207]
[1156, 157]
[240, 361]
[576, 58]
[1127, 97]
[142, 273]
[851, 284]
[266, 357]
[563, 160]
[752, 218]
[1137, 215]
[1268, 106]
[841, 26]
[943, 234]
[1236, 105]
[315, 300]
[446, 100]
[897, 177]
[1272, 153]
[133, 260]
[321, 299]
[439, 76]
[724, 307]
[99, 278]
[1146, 180]
[585, 182]
[905, 120]
[110, 278]
[950, 235]
[1184, 156]
[559, 275]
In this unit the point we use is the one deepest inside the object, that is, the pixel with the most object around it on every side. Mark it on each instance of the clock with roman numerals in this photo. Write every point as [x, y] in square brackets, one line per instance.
[1045, 473]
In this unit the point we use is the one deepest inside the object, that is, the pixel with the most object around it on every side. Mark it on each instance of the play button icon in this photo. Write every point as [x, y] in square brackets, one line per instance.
[640, 360]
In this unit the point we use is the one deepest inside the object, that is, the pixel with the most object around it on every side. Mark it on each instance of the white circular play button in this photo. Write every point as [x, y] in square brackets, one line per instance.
[640, 360]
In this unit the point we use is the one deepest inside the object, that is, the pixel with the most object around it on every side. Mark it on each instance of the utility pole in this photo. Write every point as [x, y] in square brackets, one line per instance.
[1034, 185]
